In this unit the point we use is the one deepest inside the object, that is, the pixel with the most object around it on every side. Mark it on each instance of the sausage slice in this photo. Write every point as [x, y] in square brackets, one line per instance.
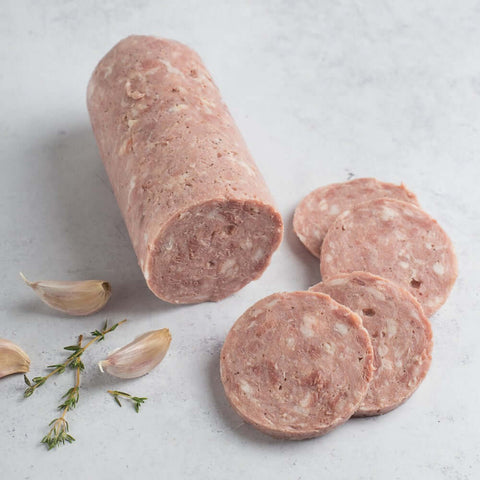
[401, 336]
[296, 365]
[397, 241]
[319, 209]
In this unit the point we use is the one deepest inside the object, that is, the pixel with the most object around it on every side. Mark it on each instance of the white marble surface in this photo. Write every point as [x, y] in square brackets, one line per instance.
[323, 91]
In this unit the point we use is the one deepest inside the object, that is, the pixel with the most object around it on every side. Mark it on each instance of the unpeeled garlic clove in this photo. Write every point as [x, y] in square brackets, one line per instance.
[12, 359]
[138, 357]
[74, 298]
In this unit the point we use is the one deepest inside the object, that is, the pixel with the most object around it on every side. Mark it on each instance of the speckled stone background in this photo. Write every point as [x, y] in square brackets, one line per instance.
[323, 91]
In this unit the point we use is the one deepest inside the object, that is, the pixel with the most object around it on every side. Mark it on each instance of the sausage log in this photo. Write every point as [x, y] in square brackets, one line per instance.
[199, 214]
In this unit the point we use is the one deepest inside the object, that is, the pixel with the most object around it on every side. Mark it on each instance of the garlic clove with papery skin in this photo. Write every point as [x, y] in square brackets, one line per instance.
[73, 298]
[138, 357]
[12, 359]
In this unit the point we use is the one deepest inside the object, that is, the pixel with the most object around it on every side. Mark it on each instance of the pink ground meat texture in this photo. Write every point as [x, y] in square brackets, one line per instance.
[318, 210]
[401, 336]
[395, 240]
[296, 365]
[199, 214]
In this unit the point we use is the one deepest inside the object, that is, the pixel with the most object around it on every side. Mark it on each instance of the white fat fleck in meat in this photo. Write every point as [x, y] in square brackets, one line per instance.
[358, 395]
[388, 214]
[434, 302]
[152, 71]
[135, 94]
[246, 387]
[205, 101]
[412, 382]
[316, 233]
[213, 215]
[403, 264]
[391, 327]
[271, 304]
[305, 401]
[131, 187]
[329, 348]
[107, 71]
[387, 364]
[171, 68]
[168, 245]
[323, 205]
[411, 213]
[334, 209]
[246, 244]
[258, 254]
[339, 405]
[251, 325]
[126, 146]
[382, 349]
[132, 184]
[290, 343]
[307, 326]
[375, 292]
[146, 274]
[178, 108]
[205, 108]
[246, 166]
[227, 266]
[438, 268]
[131, 123]
[328, 258]
[300, 410]
[184, 215]
[341, 328]
[415, 315]
[338, 281]
[202, 298]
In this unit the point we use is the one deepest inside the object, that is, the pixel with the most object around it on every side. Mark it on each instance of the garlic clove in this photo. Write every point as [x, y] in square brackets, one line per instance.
[138, 357]
[73, 298]
[12, 359]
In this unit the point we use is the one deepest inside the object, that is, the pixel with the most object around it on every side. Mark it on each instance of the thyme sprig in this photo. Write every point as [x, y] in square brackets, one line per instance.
[58, 434]
[72, 360]
[137, 401]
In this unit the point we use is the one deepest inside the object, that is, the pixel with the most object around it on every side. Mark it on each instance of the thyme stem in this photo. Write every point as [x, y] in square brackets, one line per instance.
[58, 434]
[137, 401]
[78, 351]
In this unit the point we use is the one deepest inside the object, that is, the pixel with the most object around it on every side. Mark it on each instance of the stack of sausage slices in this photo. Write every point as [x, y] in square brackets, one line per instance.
[296, 365]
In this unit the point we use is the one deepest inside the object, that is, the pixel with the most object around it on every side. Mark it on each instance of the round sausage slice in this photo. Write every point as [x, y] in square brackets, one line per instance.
[397, 241]
[401, 336]
[296, 365]
[318, 210]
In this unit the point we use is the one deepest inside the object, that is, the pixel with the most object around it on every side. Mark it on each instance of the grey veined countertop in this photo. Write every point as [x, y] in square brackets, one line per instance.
[323, 92]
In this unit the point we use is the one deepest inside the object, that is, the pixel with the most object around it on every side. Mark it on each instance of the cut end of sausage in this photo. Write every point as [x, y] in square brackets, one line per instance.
[212, 250]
